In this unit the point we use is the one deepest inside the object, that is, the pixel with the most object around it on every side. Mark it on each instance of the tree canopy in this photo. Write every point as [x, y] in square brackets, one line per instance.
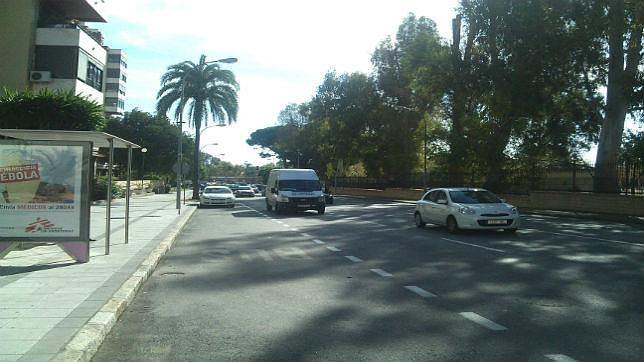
[520, 85]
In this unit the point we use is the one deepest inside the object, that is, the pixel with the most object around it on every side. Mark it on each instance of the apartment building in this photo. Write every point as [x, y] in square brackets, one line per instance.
[115, 82]
[47, 44]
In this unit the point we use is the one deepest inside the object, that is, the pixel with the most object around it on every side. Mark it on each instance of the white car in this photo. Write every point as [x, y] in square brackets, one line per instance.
[465, 208]
[217, 195]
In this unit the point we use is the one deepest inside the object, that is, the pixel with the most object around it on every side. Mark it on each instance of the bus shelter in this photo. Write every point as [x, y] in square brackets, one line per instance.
[45, 188]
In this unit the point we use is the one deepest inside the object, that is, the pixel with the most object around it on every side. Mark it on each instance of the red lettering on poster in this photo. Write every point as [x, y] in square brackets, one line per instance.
[20, 173]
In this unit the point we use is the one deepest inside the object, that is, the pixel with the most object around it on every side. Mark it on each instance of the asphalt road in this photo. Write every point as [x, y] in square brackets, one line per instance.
[363, 283]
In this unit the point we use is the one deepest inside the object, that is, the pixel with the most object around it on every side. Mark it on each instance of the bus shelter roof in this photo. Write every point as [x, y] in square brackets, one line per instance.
[99, 139]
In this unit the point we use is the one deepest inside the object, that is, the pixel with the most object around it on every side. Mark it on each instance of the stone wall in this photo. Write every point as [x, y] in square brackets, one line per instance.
[536, 200]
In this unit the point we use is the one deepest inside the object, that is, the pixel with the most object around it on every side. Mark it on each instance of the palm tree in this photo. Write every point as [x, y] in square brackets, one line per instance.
[207, 90]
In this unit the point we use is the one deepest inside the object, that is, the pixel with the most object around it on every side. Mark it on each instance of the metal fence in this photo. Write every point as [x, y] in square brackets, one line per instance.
[569, 177]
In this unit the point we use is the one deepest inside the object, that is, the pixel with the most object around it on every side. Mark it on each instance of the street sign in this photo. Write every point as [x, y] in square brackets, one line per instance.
[185, 168]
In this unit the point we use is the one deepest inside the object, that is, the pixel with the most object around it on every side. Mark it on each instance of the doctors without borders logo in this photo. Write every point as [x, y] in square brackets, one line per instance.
[20, 173]
[44, 226]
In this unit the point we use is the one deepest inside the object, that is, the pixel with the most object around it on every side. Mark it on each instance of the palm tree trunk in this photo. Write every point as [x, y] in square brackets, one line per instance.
[195, 164]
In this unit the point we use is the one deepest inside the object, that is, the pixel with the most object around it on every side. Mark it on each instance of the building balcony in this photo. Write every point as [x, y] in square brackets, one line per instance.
[74, 36]
[82, 10]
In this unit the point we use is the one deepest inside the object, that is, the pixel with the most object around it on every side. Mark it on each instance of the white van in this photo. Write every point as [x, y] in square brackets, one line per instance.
[294, 189]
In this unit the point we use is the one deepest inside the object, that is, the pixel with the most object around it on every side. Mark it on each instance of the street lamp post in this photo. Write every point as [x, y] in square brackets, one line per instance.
[143, 151]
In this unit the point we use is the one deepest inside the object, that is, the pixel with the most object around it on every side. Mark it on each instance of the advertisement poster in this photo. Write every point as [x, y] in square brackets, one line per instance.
[41, 191]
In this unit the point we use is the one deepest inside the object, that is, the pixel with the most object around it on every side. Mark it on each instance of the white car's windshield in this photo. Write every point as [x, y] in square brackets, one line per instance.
[474, 197]
[300, 185]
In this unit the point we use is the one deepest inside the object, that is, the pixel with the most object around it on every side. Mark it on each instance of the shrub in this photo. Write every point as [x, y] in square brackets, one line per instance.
[48, 109]
[99, 188]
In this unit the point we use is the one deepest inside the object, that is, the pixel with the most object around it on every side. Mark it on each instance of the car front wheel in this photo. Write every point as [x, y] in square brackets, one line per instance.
[418, 220]
[452, 225]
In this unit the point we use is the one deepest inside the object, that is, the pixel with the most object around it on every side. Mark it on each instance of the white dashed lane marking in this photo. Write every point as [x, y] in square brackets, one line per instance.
[307, 235]
[420, 291]
[354, 259]
[479, 319]
[560, 358]
[474, 245]
[333, 248]
[318, 241]
[382, 273]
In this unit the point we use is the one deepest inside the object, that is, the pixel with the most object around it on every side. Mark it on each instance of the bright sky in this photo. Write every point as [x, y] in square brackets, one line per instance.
[284, 49]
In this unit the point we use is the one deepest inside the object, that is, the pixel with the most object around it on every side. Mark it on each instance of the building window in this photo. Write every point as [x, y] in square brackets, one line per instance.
[121, 104]
[113, 58]
[111, 102]
[111, 86]
[123, 64]
[61, 61]
[94, 76]
[124, 78]
[113, 73]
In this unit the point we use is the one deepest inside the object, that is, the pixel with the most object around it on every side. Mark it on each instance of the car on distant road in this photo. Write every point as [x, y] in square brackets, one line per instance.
[465, 208]
[244, 191]
[217, 196]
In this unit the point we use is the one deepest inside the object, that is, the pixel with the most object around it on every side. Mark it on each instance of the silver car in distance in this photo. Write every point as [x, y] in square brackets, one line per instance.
[465, 208]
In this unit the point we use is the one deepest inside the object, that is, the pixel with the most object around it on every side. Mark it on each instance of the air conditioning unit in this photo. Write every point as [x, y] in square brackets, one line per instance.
[39, 76]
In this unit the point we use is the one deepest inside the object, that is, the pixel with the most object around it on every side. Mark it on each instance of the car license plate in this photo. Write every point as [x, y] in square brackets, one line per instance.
[496, 222]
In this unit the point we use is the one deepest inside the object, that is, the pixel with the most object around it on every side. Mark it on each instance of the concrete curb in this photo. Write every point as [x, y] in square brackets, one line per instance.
[89, 338]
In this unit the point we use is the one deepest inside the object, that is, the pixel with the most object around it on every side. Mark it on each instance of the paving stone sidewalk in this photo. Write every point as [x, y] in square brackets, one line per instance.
[52, 308]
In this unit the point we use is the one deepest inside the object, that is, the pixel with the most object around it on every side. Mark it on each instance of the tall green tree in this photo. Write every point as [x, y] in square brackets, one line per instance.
[524, 55]
[619, 25]
[155, 133]
[207, 90]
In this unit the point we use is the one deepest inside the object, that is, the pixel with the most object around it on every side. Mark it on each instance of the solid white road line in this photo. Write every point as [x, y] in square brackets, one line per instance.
[476, 318]
[382, 273]
[318, 241]
[333, 248]
[585, 237]
[295, 229]
[307, 235]
[354, 259]
[560, 358]
[474, 245]
[420, 291]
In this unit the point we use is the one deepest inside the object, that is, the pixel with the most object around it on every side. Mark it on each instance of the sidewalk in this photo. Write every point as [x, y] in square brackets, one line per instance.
[52, 308]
